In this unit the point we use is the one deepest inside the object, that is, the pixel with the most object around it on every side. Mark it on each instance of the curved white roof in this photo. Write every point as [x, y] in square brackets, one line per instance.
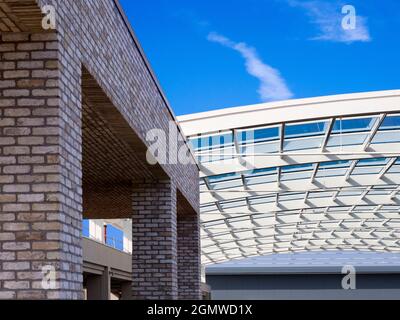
[299, 175]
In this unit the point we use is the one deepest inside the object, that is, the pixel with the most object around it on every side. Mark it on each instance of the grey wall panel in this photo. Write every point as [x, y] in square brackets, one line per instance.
[303, 286]
[363, 294]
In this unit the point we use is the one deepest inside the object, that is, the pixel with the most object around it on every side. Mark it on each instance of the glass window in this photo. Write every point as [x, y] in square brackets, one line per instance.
[370, 166]
[115, 237]
[261, 147]
[333, 168]
[299, 167]
[367, 170]
[390, 208]
[261, 179]
[263, 171]
[302, 143]
[364, 208]
[233, 203]
[296, 175]
[373, 162]
[266, 134]
[305, 129]
[85, 228]
[335, 164]
[353, 125]
[351, 192]
[396, 167]
[291, 196]
[259, 176]
[386, 136]
[226, 184]
[223, 177]
[296, 172]
[215, 223]
[208, 207]
[379, 191]
[391, 123]
[262, 199]
[388, 131]
[349, 139]
[213, 141]
[258, 135]
[321, 194]
[339, 209]
[304, 136]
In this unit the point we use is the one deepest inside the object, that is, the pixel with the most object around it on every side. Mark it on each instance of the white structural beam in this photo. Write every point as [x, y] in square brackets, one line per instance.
[291, 110]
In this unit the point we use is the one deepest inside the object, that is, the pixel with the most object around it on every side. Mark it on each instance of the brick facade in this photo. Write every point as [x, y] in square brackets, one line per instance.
[40, 197]
[52, 85]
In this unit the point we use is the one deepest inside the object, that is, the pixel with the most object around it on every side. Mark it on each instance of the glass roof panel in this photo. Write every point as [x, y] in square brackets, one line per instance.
[292, 196]
[337, 140]
[223, 177]
[305, 129]
[353, 125]
[208, 207]
[324, 194]
[299, 167]
[261, 199]
[333, 168]
[233, 203]
[302, 144]
[264, 147]
[367, 170]
[226, 184]
[258, 135]
[258, 172]
[296, 175]
[351, 192]
[335, 164]
[261, 179]
[211, 141]
[391, 123]
[388, 136]
[373, 162]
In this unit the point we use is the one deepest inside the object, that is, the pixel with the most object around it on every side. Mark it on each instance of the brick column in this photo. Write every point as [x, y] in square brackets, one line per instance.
[189, 258]
[40, 172]
[154, 241]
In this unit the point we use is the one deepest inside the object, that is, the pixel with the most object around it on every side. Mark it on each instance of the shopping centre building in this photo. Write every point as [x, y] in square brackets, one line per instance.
[319, 174]
[289, 191]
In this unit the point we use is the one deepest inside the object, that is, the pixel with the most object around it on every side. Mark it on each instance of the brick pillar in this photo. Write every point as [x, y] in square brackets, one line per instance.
[40, 172]
[189, 258]
[154, 241]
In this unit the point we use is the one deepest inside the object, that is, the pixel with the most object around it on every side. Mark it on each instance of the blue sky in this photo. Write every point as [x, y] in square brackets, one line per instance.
[224, 53]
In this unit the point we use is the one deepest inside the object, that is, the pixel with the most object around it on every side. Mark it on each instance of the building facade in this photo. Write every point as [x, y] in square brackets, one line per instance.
[76, 103]
[318, 174]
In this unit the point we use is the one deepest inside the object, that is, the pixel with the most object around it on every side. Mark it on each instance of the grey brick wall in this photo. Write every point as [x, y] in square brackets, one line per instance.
[40, 198]
[94, 33]
[189, 257]
[41, 147]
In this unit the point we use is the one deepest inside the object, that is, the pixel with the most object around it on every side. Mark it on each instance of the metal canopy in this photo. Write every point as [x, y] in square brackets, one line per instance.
[309, 184]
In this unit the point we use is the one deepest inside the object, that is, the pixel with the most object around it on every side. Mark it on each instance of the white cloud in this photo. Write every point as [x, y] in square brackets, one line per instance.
[328, 17]
[272, 85]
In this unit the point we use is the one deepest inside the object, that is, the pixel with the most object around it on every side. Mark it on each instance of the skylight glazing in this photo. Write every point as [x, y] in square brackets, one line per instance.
[299, 203]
